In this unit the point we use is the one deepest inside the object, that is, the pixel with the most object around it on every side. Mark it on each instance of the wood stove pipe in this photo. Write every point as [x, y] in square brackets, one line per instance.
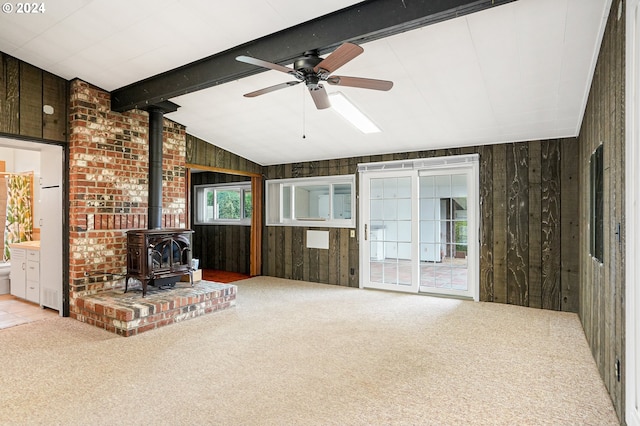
[156, 118]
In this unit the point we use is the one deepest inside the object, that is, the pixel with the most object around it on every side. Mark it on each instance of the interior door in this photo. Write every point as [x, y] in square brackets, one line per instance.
[51, 224]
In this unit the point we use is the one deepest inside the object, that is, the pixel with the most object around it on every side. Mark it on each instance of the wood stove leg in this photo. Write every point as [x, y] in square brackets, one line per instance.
[191, 277]
[126, 284]
[144, 288]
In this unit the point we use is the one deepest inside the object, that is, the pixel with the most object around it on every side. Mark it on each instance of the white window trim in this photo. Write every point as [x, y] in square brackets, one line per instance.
[241, 186]
[270, 186]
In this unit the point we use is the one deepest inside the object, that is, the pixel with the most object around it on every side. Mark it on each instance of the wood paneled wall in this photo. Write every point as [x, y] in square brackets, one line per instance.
[223, 247]
[602, 285]
[284, 251]
[529, 250]
[24, 91]
[201, 153]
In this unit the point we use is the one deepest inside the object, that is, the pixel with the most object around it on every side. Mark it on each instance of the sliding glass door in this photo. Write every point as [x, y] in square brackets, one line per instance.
[444, 230]
[418, 227]
[390, 232]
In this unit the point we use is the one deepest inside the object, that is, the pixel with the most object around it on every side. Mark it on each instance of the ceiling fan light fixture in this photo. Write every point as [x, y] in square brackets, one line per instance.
[351, 113]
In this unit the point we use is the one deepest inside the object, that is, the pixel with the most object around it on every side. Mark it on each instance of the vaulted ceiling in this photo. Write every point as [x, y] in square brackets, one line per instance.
[507, 72]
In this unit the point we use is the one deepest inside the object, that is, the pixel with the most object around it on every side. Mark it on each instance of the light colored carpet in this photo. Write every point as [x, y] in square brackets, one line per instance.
[295, 353]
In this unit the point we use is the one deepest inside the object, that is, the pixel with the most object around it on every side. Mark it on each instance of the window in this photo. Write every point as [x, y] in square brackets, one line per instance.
[596, 205]
[325, 201]
[224, 204]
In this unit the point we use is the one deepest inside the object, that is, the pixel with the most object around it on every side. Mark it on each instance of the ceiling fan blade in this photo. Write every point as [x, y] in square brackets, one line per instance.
[265, 64]
[339, 57]
[320, 97]
[364, 83]
[271, 89]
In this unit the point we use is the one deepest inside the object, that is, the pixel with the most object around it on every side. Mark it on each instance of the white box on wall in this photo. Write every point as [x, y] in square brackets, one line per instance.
[318, 239]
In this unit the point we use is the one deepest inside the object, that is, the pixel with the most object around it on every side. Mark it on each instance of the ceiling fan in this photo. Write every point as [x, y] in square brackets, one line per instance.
[311, 70]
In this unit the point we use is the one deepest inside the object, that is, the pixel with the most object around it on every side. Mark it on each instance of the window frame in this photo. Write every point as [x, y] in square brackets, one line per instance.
[596, 204]
[242, 187]
[275, 191]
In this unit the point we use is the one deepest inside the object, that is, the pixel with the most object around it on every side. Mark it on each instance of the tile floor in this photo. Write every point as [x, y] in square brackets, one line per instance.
[15, 311]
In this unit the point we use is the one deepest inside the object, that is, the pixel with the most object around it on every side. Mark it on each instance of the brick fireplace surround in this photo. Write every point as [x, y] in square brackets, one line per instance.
[108, 194]
[128, 314]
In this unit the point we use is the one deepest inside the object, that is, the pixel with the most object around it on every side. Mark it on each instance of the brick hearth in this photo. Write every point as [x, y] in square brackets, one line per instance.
[128, 314]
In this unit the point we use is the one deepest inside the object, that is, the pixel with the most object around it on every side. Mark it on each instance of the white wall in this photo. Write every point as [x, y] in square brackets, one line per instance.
[632, 238]
[7, 155]
[27, 161]
[20, 160]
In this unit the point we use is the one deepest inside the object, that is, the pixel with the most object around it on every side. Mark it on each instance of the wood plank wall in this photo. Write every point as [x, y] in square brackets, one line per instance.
[528, 237]
[202, 153]
[284, 252]
[223, 247]
[601, 303]
[24, 91]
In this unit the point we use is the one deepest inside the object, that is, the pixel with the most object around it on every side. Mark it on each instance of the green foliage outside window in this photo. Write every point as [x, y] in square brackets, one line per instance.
[248, 204]
[461, 235]
[228, 204]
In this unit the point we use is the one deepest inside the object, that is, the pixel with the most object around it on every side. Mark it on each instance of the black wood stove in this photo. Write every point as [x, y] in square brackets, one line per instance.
[159, 257]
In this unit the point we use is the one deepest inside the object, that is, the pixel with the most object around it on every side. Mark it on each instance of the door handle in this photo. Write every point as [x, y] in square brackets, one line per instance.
[366, 237]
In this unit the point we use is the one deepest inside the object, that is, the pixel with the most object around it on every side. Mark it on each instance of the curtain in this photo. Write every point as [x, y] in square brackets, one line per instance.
[19, 224]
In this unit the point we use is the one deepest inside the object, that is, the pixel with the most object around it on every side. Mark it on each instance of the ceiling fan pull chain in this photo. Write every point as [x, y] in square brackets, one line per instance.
[304, 122]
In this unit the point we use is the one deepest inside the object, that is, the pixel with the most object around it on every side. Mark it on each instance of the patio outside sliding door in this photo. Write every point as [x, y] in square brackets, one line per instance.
[446, 222]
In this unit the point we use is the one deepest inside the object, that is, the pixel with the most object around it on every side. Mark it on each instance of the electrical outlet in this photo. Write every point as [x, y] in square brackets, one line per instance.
[353, 233]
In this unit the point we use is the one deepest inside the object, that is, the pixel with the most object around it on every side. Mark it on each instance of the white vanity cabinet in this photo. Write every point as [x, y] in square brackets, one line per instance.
[33, 276]
[18, 274]
[25, 270]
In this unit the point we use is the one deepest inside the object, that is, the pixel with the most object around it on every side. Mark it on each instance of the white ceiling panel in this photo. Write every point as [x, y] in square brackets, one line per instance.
[516, 72]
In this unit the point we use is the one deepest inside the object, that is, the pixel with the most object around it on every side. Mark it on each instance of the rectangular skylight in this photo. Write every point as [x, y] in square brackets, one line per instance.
[344, 107]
